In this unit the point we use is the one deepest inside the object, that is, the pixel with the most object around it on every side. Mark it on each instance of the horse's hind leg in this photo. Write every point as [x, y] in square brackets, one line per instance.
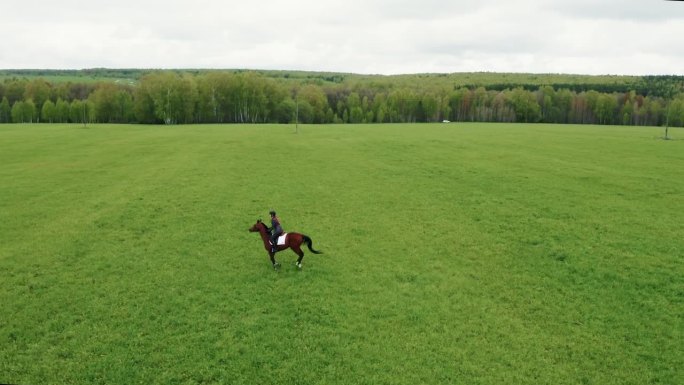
[299, 252]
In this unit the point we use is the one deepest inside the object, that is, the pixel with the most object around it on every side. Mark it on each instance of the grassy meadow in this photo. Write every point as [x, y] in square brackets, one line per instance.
[453, 254]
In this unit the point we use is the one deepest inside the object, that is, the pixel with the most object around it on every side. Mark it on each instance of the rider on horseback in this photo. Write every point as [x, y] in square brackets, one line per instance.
[276, 230]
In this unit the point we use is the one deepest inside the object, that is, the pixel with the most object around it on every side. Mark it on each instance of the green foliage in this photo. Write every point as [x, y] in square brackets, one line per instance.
[77, 112]
[112, 104]
[241, 96]
[285, 111]
[605, 109]
[454, 253]
[49, 112]
[316, 98]
[675, 112]
[525, 105]
[5, 111]
[76, 76]
[37, 90]
[18, 112]
[62, 113]
[24, 112]
[171, 96]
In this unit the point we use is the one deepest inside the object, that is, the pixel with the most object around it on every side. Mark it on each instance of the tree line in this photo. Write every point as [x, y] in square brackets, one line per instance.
[176, 97]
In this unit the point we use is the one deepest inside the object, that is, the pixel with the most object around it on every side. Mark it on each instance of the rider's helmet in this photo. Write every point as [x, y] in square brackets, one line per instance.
[272, 213]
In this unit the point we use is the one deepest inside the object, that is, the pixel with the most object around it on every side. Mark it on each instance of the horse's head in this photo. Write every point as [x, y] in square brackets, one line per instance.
[257, 226]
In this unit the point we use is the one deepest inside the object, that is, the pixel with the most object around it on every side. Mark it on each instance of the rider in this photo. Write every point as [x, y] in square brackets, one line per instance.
[276, 231]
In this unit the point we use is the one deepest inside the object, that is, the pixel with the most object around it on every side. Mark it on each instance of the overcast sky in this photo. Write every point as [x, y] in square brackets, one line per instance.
[625, 37]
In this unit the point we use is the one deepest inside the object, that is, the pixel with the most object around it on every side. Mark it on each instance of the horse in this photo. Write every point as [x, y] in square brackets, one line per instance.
[292, 241]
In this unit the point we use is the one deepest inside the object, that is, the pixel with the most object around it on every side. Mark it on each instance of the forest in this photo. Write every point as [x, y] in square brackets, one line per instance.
[268, 96]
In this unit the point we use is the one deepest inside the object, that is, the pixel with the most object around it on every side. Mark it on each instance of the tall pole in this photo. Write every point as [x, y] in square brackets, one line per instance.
[168, 106]
[670, 97]
[667, 121]
[297, 113]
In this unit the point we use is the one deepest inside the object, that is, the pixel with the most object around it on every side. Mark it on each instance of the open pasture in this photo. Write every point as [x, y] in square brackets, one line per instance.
[454, 253]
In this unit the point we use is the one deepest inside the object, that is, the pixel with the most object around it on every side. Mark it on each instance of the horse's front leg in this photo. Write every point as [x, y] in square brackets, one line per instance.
[275, 263]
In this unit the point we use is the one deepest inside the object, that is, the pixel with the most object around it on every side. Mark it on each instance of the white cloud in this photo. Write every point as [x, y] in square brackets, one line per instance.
[371, 36]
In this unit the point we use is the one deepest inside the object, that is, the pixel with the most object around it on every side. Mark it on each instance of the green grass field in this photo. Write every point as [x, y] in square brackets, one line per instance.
[454, 254]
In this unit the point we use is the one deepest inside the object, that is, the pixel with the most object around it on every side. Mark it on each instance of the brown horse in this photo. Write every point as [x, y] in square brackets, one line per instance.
[292, 240]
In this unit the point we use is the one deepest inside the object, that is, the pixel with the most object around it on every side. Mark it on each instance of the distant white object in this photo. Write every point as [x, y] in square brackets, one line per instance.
[446, 121]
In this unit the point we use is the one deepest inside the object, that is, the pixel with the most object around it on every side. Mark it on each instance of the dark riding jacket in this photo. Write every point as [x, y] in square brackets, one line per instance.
[276, 229]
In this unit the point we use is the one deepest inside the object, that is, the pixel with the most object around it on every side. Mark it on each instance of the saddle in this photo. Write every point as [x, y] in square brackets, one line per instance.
[281, 239]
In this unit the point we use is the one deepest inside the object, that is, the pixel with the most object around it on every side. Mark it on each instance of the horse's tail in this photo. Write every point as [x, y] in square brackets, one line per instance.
[307, 240]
